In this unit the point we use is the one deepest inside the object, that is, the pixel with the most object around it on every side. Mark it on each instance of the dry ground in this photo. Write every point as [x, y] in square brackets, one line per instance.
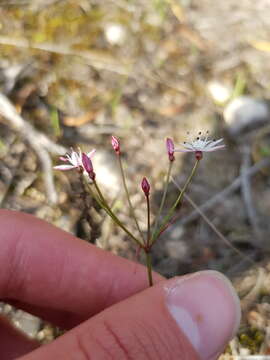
[79, 71]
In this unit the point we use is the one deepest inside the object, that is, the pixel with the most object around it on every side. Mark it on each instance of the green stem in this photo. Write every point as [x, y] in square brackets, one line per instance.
[107, 208]
[148, 222]
[179, 198]
[92, 192]
[149, 267]
[163, 198]
[132, 212]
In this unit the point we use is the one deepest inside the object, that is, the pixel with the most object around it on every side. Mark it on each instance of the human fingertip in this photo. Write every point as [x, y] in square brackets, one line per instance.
[206, 308]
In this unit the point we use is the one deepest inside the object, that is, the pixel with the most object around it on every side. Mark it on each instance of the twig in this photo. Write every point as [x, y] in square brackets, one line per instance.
[39, 142]
[246, 193]
[225, 192]
[9, 112]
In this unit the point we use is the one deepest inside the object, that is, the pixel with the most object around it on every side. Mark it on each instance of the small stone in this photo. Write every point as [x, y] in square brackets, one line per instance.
[48, 331]
[244, 114]
[115, 34]
[256, 320]
[7, 309]
[26, 322]
[40, 336]
[244, 351]
[219, 92]
[46, 335]
[176, 249]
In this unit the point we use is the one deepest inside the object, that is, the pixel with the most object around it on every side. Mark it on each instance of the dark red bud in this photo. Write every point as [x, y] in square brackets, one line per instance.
[88, 166]
[115, 144]
[170, 148]
[198, 155]
[87, 163]
[145, 186]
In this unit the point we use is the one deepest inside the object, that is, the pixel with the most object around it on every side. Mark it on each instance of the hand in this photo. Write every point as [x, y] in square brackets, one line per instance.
[104, 301]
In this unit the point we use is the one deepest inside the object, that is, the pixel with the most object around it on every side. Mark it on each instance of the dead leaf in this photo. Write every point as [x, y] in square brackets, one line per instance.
[261, 45]
[81, 119]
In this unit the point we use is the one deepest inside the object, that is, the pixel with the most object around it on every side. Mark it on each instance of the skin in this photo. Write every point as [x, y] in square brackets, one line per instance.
[102, 300]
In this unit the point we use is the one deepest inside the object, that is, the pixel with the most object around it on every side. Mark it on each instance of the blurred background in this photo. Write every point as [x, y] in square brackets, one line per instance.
[74, 72]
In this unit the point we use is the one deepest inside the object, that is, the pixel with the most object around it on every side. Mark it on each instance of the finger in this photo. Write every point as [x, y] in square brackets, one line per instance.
[192, 318]
[13, 342]
[49, 268]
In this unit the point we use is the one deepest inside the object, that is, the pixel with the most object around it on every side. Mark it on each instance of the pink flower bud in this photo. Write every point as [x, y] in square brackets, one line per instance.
[170, 148]
[115, 145]
[88, 166]
[145, 186]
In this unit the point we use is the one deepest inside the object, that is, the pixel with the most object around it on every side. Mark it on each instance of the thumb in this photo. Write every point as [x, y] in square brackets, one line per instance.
[191, 317]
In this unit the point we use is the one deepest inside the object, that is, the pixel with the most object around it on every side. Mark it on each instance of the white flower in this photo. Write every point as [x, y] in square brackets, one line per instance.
[201, 144]
[74, 160]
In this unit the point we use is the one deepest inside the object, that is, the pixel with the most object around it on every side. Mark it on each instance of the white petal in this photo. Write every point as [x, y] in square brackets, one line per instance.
[215, 148]
[69, 158]
[207, 142]
[64, 167]
[73, 158]
[187, 146]
[78, 161]
[214, 143]
[91, 153]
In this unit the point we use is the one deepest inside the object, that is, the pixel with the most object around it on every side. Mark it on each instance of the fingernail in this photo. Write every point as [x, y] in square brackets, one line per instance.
[206, 308]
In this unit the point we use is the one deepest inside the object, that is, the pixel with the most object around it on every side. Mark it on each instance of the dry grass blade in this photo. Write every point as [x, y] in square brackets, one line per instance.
[98, 59]
[247, 194]
[235, 185]
[213, 227]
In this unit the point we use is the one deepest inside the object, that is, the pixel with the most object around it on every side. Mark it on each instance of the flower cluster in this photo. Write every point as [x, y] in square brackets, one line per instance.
[82, 162]
[77, 160]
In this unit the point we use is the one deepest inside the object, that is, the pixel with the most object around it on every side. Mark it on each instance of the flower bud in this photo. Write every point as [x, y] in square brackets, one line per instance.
[115, 145]
[170, 148]
[88, 166]
[145, 186]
